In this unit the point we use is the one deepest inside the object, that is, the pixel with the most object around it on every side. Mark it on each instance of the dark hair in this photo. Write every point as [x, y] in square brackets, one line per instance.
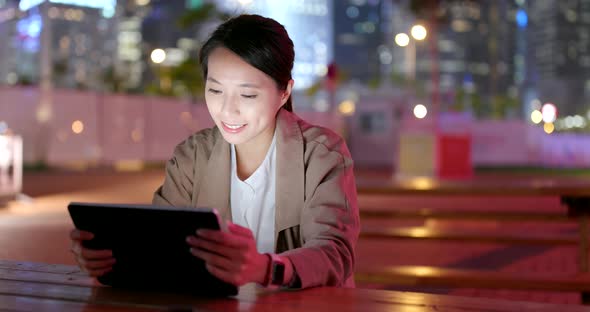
[261, 42]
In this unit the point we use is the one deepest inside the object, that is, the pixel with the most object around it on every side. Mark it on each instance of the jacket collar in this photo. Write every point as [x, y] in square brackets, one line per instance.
[215, 184]
[214, 190]
[290, 175]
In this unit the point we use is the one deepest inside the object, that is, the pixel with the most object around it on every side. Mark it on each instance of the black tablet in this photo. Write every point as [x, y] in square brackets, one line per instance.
[149, 246]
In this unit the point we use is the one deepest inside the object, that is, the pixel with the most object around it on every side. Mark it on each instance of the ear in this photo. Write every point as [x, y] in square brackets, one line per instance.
[287, 92]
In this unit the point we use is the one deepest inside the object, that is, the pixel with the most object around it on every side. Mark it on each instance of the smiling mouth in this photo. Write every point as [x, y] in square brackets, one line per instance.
[233, 127]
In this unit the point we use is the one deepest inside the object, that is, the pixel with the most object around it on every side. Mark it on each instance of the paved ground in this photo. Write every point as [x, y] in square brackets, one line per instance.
[35, 228]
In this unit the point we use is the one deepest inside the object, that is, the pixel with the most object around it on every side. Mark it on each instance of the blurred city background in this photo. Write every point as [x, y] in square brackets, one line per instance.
[118, 82]
[95, 94]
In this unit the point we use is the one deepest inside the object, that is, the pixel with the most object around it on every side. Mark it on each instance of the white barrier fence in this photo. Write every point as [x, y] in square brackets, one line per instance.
[11, 164]
[99, 128]
[91, 128]
[94, 128]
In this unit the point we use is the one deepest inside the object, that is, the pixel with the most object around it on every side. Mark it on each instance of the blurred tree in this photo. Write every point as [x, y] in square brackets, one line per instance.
[340, 76]
[201, 14]
[401, 80]
[24, 80]
[503, 106]
[374, 83]
[188, 77]
[164, 82]
[460, 100]
[185, 80]
[112, 81]
[468, 101]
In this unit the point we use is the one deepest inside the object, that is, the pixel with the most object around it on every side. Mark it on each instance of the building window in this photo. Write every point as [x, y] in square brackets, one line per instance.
[372, 122]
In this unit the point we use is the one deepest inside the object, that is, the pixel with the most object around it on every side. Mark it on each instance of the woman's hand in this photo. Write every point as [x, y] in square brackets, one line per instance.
[230, 256]
[94, 262]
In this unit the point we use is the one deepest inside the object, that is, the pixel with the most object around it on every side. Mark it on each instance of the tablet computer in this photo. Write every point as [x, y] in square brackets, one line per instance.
[149, 246]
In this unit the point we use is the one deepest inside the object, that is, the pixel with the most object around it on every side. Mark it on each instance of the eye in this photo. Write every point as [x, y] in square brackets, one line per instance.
[247, 96]
[214, 91]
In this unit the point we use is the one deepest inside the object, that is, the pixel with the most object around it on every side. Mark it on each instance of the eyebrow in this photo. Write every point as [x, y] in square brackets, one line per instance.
[246, 85]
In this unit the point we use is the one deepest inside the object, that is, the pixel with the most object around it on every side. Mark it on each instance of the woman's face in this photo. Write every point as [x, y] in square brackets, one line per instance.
[242, 100]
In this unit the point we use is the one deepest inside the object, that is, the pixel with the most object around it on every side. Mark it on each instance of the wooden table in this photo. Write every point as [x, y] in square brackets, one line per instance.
[575, 193]
[26, 286]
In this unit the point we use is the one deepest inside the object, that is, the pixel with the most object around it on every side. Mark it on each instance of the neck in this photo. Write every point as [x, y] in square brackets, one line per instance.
[250, 155]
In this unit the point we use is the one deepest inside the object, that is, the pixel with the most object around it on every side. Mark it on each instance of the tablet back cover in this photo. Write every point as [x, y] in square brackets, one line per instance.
[149, 246]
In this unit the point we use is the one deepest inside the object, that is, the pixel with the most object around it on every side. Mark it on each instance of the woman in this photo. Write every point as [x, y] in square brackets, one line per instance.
[285, 187]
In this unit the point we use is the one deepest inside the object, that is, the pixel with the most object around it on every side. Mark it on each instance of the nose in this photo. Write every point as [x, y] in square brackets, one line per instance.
[230, 106]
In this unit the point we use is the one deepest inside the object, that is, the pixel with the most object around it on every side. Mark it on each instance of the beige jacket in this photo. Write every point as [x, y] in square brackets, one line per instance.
[317, 217]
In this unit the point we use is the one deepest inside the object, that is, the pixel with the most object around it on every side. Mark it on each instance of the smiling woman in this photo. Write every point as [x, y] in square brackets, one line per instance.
[242, 100]
[285, 187]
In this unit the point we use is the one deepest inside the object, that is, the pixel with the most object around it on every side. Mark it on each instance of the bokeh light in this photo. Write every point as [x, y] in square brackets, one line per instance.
[77, 127]
[402, 39]
[549, 127]
[158, 56]
[536, 116]
[136, 135]
[549, 112]
[420, 111]
[522, 18]
[347, 108]
[418, 32]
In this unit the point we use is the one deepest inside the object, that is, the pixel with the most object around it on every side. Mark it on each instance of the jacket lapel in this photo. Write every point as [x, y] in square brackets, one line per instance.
[290, 175]
[215, 183]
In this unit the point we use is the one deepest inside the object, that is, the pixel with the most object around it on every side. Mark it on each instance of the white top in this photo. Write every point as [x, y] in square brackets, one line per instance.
[253, 201]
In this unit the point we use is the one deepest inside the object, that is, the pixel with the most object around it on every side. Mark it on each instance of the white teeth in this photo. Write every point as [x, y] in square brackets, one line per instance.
[234, 126]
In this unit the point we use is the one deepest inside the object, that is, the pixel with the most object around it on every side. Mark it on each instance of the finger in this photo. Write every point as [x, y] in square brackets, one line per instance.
[228, 239]
[90, 265]
[214, 259]
[99, 264]
[239, 230]
[100, 272]
[76, 234]
[91, 254]
[224, 275]
[220, 249]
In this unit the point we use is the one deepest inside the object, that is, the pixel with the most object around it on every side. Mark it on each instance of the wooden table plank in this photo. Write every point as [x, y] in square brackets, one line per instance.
[43, 294]
[41, 267]
[545, 186]
[317, 299]
[45, 277]
[465, 215]
[469, 235]
[12, 303]
[343, 297]
[574, 192]
[445, 277]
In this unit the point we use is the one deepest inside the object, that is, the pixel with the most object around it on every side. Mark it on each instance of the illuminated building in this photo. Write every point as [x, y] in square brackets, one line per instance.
[81, 41]
[9, 14]
[358, 38]
[310, 26]
[475, 50]
[560, 49]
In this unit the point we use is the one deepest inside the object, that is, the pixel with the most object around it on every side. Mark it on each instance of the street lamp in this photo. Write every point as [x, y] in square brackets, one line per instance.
[402, 39]
[419, 33]
[158, 56]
